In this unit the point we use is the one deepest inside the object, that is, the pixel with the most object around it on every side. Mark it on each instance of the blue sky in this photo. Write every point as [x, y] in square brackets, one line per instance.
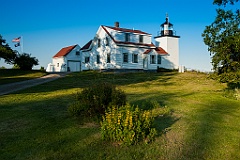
[49, 25]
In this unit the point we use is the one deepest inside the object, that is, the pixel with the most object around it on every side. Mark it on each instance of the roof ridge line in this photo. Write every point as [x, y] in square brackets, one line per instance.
[127, 30]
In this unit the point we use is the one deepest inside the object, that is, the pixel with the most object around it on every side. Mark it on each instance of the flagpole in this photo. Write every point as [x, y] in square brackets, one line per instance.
[22, 44]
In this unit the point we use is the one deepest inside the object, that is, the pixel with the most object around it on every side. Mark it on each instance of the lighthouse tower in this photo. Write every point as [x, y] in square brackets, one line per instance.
[168, 40]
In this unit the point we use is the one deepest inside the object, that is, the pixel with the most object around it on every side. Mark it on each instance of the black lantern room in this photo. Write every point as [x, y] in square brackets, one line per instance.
[167, 28]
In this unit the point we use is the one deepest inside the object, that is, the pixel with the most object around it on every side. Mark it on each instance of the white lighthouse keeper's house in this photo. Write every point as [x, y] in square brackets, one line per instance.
[117, 48]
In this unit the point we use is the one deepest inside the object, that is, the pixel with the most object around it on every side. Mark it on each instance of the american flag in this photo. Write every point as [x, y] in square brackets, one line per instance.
[16, 39]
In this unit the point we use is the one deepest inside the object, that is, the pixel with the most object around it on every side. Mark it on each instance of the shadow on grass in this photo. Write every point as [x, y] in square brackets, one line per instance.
[164, 123]
[14, 80]
[212, 133]
[85, 79]
[39, 129]
[15, 75]
[164, 116]
[233, 85]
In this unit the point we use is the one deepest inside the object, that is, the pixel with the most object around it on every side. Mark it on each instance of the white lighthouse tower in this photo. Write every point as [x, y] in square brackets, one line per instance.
[168, 40]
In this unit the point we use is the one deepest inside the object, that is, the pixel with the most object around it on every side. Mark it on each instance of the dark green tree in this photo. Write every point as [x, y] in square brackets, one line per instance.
[25, 61]
[6, 52]
[223, 38]
[224, 2]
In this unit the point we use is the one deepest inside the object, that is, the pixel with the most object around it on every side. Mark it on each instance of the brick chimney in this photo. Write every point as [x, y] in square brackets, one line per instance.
[117, 24]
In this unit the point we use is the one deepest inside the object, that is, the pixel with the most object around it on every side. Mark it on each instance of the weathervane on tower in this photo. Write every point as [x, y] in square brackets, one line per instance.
[167, 18]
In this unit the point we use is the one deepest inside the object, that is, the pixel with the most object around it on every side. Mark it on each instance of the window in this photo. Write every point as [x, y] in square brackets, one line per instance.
[135, 58]
[77, 53]
[87, 59]
[99, 42]
[152, 59]
[108, 58]
[125, 57]
[159, 60]
[140, 38]
[127, 37]
[98, 59]
[107, 41]
[57, 64]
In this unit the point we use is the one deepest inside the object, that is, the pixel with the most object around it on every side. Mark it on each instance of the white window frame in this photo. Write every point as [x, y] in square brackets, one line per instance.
[87, 59]
[127, 37]
[99, 42]
[125, 54]
[107, 41]
[152, 59]
[98, 59]
[134, 59]
[140, 38]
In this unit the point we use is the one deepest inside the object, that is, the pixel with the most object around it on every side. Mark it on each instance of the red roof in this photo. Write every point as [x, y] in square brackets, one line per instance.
[64, 51]
[147, 51]
[86, 46]
[127, 30]
[159, 50]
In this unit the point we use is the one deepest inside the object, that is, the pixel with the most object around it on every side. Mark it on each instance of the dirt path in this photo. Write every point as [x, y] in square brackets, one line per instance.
[13, 87]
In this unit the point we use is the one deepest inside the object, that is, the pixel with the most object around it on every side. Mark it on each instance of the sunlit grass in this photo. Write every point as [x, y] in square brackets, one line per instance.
[34, 123]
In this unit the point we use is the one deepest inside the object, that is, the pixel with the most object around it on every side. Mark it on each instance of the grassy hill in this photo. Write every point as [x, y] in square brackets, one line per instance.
[17, 75]
[34, 123]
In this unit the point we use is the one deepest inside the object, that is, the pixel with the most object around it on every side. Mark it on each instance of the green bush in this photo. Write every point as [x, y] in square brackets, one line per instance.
[127, 125]
[160, 69]
[233, 83]
[94, 100]
[42, 68]
[230, 77]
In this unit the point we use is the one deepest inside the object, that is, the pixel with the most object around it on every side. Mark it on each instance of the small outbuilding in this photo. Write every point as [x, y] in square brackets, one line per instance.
[67, 59]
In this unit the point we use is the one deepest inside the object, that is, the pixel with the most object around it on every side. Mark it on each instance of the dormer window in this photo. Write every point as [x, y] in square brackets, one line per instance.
[140, 38]
[127, 37]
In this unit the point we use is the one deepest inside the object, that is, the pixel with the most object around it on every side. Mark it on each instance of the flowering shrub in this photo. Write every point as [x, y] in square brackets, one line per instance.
[127, 125]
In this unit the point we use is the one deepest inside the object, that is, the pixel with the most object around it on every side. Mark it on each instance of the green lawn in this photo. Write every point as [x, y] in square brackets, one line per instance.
[16, 75]
[34, 123]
